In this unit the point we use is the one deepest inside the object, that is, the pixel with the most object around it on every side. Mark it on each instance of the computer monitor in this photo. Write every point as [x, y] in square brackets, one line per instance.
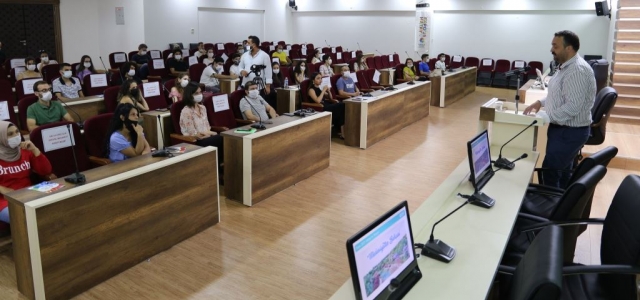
[480, 160]
[381, 252]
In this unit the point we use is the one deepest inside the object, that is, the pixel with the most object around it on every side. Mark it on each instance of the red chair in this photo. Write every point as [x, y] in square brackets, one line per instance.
[157, 74]
[230, 48]
[339, 58]
[74, 69]
[112, 60]
[222, 120]
[131, 54]
[305, 102]
[6, 92]
[95, 133]
[347, 56]
[20, 90]
[23, 105]
[432, 63]
[282, 43]
[447, 59]
[165, 54]
[369, 78]
[377, 62]
[195, 71]
[59, 158]
[218, 49]
[234, 101]
[396, 59]
[89, 90]
[154, 102]
[316, 67]
[50, 72]
[485, 71]
[334, 88]
[513, 80]
[370, 62]
[363, 83]
[400, 74]
[111, 98]
[532, 72]
[177, 137]
[352, 63]
[10, 103]
[166, 87]
[456, 64]
[471, 62]
[499, 78]
[385, 61]
[339, 49]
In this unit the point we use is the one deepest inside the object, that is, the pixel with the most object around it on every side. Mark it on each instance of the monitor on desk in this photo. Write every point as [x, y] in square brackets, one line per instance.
[381, 252]
[480, 160]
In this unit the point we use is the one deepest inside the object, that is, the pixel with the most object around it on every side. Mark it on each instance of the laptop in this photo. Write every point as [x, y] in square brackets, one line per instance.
[381, 252]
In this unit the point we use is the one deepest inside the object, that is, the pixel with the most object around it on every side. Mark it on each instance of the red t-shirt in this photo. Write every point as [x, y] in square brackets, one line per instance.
[15, 174]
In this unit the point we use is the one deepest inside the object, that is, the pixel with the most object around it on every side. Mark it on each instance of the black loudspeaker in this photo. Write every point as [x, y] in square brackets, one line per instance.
[602, 8]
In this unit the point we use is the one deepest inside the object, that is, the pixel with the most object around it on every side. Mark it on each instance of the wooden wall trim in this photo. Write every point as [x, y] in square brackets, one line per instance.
[58, 30]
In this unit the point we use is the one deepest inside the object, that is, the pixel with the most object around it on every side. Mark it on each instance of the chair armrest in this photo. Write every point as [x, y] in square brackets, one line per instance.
[376, 87]
[99, 161]
[402, 80]
[366, 90]
[340, 97]
[219, 129]
[243, 122]
[308, 104]
[540, 188]
[188, 139]
[600, 269]
[562, 223]
[506, 270]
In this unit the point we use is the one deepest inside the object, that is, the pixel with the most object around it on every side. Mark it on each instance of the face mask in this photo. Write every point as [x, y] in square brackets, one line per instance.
[276, 71]
[279, 50]
[318, 56]
[197, 98]
[410, 65]
[184, 82]
[302, 68]
[247, 48]
[45, 59]
[131, 72]
[143, 52]
[66, 74]
[346, 74]
[135, 92]
[219, 69]
[253, 94]
[87, 65]
[14, 142]
[178, 57]
[236, 62]
[130, 123]
[46, 96]
[442, 59]
[329, 61]
[31, 67]
[210, 55]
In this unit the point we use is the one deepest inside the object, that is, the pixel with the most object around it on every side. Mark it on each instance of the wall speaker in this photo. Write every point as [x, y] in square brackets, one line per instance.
[602, 8]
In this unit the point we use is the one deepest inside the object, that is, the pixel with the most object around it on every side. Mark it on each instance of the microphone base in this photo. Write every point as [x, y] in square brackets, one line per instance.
[76, 178]
[161, 153]
[481, 199]
[258, 126]
[438, 250]
[504, 164]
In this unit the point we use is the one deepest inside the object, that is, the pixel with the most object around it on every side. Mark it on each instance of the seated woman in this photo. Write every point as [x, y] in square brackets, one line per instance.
[360, 64]
[30, 70]
[129, 70]
[301, 72]
[409, 70]
[125, 136]
[17, 159]
[326, 69]
[317, 55]
[324, 97]
[130, 93]
[85, 68]
[194, 121]
[178, 87]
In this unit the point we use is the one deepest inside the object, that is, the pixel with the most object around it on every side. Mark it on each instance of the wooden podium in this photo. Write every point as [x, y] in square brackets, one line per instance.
[504, 125]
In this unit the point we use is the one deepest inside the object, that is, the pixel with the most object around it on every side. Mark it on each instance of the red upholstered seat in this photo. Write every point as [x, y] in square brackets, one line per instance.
[111, 98]
[177, 137]
[154, 102]
[400, 73]
[89, 90]
[224, 119]
[95, 133]
[471, 62]
[112, 61]
[61, 159]
[23, 104]
[195, 71]
[6, 93]
[305, 101]
[456, 64]
[50, 72]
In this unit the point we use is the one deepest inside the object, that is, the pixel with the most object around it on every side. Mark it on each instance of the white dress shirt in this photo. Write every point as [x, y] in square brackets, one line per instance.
[441, 65]
[261, 58]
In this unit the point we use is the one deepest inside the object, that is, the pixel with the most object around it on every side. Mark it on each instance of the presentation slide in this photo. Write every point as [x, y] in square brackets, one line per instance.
[383, 254]
[481, 157]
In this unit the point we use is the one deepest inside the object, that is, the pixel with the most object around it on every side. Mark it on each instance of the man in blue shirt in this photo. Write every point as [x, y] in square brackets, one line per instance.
[345, 84]
[423, 68]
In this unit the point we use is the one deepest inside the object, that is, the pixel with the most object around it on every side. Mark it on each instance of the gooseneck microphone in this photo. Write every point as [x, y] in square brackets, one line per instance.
[438, 249]
[108, 71]
[258, 125]
[359, 48]
[80, 123]
[77, 177]
[504, 163]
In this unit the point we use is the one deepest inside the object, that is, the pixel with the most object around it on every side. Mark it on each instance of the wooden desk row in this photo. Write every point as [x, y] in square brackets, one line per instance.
[453, 86]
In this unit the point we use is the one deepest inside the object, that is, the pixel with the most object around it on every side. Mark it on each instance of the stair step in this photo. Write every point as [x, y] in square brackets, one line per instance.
[624, 119]
[626, 110]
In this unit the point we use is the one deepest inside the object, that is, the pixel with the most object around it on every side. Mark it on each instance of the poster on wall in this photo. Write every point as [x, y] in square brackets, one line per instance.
[423, 26]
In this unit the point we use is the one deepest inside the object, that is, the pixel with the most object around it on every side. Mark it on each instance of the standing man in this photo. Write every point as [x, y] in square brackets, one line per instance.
[568, 105]
[256, 57]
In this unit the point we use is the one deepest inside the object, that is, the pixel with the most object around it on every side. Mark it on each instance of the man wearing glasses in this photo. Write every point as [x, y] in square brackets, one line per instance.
[45, 111]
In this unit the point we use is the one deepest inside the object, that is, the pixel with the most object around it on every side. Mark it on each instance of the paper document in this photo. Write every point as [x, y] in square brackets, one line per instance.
[376, 77]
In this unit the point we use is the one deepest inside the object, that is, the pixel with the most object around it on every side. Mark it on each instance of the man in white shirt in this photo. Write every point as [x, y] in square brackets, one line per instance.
[440, 65]
[235, 66]
[212, 73]
[45, 61]
[256, 57]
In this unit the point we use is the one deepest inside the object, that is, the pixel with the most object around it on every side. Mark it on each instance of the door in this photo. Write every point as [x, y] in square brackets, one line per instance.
[27, 29]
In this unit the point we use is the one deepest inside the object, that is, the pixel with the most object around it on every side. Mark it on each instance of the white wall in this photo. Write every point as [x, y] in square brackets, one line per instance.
[80, 26]
[209, 18]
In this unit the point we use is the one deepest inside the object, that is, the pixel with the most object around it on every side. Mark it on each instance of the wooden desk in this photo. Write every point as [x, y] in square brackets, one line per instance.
[529, 94]
[228, 86]
[387, 76]
[453, 86]
[79, 236]
[365, 55]
[152, 129]
[259, 165]
[86, 107]
[288, 99]
[373, 119]
[337, 68]
[478, 234]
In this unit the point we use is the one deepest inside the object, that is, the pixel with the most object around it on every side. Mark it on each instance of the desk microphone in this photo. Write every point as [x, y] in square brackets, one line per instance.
[77, 177]
[105, 68]
[437, 249]
[359, 46]
[259, 125]
[504, 163]
[161, 152]
[379, 52]
[325, 41]
[79, 123]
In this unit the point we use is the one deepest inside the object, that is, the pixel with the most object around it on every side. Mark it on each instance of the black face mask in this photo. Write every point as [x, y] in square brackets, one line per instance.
[130, 124]
[135, 93]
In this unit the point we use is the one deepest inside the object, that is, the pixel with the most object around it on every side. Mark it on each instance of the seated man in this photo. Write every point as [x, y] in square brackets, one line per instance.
[142, 57]
[235, 67]
[282, 56]
[67, 87]
[212, 73]
[30, 72]
[177, 65]
[345, 84]
[253, 107]
[201, 51]
[423, 69]
[44, 60]
[45, 111]
[440, 65]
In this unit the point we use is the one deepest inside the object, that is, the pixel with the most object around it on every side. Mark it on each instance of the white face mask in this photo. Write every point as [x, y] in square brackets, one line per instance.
[66, 74]
[178, 57]
[45, 59]
[442, 59]
[184, 82]
[46, 96]
[87, 64]
[31, 67]
[143, 52]
[132, 72]
[318, 56]
[302, 68]
[14, 142]
[276, 71]
[248, 48]
[329, 61]
[197, 98]
[279, 50]
[210, 54]
[410, 65]
[219, 69]
[346, 74]
[254, 94]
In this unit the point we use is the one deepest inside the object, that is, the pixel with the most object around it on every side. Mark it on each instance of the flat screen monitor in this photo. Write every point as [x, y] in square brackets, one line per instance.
[480, 160]
[381, 252]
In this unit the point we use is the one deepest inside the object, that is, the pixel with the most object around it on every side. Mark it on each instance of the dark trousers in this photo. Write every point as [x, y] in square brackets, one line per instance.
[337, 114]
[563, 144]
[215, 141]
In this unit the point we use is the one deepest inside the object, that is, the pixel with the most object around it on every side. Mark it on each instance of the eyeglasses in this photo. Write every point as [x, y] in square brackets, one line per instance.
[44, 91]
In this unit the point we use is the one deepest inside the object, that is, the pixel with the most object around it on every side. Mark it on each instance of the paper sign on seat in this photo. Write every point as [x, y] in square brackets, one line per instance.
[98, 80]
[119, 57]
[27, 85]
[220, 103]
[193, 60]
[376, 77]
[4, 110]
[151, 89]
[57, 138]
[158, 64]
[487, 62]
[155, 54]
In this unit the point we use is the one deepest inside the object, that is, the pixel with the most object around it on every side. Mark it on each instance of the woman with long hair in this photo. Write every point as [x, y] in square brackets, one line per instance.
[85, 67]
[125, 138]
[177, 90]
[130, 93]
[410, 72]
[323, 96]
[360, 64]
[301, 72]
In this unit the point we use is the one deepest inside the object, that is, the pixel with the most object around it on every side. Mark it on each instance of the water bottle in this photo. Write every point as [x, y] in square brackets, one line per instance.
[286, 83]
